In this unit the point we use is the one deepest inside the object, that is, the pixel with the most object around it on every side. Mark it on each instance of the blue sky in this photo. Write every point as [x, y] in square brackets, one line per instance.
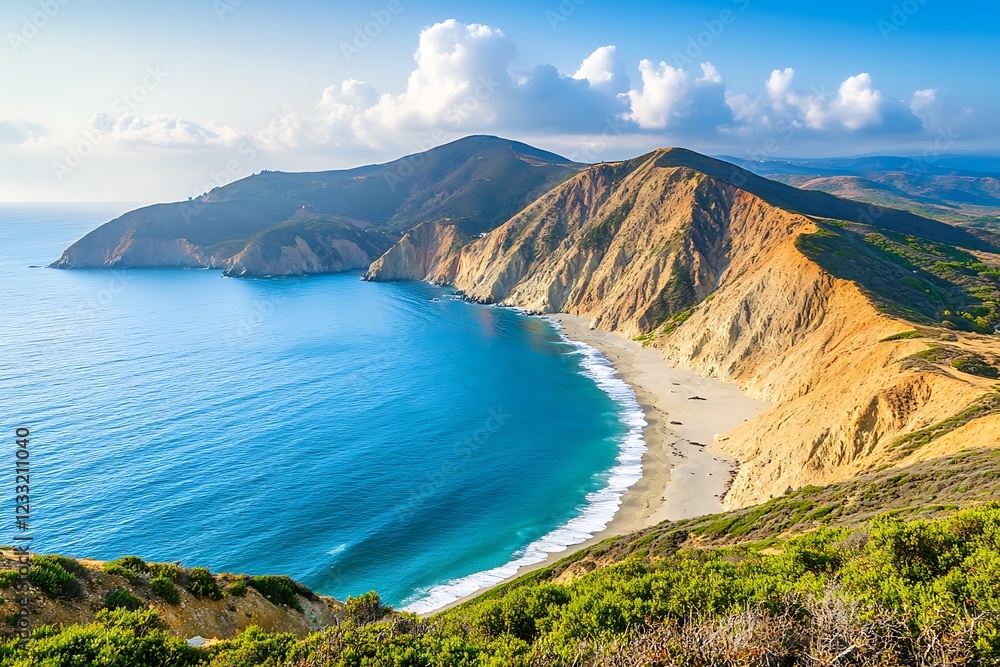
[118, 100]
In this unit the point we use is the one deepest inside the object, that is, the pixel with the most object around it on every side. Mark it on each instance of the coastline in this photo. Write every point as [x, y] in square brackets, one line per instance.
[681, 477]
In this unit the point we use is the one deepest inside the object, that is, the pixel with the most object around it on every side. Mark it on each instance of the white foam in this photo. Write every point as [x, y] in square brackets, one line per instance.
[601, 505]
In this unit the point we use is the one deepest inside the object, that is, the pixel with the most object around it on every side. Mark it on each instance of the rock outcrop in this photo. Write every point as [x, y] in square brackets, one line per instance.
[298, 249]
[429, 251]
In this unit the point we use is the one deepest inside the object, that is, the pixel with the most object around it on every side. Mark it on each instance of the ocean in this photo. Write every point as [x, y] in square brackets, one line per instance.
[354, 436]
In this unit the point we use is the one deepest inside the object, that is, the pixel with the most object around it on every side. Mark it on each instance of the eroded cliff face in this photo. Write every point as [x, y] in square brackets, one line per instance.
[127, 251]
[429, 251]
[710, 274]
[627, 245]
[788, 332]
[298, 250]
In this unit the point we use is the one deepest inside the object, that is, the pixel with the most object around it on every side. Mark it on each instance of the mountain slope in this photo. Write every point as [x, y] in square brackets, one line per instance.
[731, 283]
[350, 217]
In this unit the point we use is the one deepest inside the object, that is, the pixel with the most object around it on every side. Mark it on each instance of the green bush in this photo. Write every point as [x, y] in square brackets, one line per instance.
[122, 599]
[71, 565]
[118, 570]
[49, 576]
[903, 335]
[117, 639]
[364, 609]
[975, 365]
[131, 567]
[900, 589]
[8, 578]
[203, 584]
[130, 563]
[165, 588]
[281, 590]
[238, 587]
[168, 570]
[254, 646]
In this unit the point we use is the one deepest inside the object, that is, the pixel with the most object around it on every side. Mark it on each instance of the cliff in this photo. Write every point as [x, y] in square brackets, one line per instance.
[427, 252]
[309, 247]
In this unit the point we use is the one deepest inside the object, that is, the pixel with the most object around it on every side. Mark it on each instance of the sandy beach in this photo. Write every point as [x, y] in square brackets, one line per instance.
[682, 476]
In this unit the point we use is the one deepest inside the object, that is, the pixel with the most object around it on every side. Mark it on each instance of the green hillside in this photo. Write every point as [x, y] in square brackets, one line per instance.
[883, 570]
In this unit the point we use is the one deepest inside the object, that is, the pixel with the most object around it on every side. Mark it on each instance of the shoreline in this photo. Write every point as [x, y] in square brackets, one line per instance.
[681, 477]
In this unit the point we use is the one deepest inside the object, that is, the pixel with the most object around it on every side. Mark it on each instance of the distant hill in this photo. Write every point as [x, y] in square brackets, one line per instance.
[953, 188]
[297, 223]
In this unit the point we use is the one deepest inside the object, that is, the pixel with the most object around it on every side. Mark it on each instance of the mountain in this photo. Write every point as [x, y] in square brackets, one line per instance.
[955, 188]
[796, 296]
[277, 223]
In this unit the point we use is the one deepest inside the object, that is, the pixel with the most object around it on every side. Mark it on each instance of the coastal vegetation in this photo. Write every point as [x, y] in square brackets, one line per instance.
[883, 570]
[888, 591]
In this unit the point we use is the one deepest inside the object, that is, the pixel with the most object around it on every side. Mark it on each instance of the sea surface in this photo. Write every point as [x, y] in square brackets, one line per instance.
[352, 435]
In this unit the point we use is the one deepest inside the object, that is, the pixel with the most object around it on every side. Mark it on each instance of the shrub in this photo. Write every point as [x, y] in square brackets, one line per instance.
[365, 609]
[122, 599]
[238, 587]
[168, 570]
[52, 578]
[118, 570]
[281, 590]
[71, 565]
[204, 585]
[164, 588]
[8, 578]
[975, 365]
[118, 638]
[131, 563]
[130, 567]
[903, 335]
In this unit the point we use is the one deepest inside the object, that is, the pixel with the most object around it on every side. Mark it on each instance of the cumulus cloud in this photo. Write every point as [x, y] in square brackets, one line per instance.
[858, 104]
[466, 79]
[670, 98]
[858, 107]
[940, 114]
[603, 70]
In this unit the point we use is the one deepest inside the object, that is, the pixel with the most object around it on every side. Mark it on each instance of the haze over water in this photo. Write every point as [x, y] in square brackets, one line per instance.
[352, 435]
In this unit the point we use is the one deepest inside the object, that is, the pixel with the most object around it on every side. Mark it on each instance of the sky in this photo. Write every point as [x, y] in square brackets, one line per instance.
[115, 100]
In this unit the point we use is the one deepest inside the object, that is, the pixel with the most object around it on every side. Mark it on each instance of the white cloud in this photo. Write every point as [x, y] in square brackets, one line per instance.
[670, 98]
[856, 106]
[459, 69]
[604, 70]
[663, 95]
[163, 131]
[709, 74]
[858, 103]
[778, 85]
[466, 79]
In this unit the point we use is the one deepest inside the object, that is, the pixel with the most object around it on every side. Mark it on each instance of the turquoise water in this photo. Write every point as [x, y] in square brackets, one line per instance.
[354, 436]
